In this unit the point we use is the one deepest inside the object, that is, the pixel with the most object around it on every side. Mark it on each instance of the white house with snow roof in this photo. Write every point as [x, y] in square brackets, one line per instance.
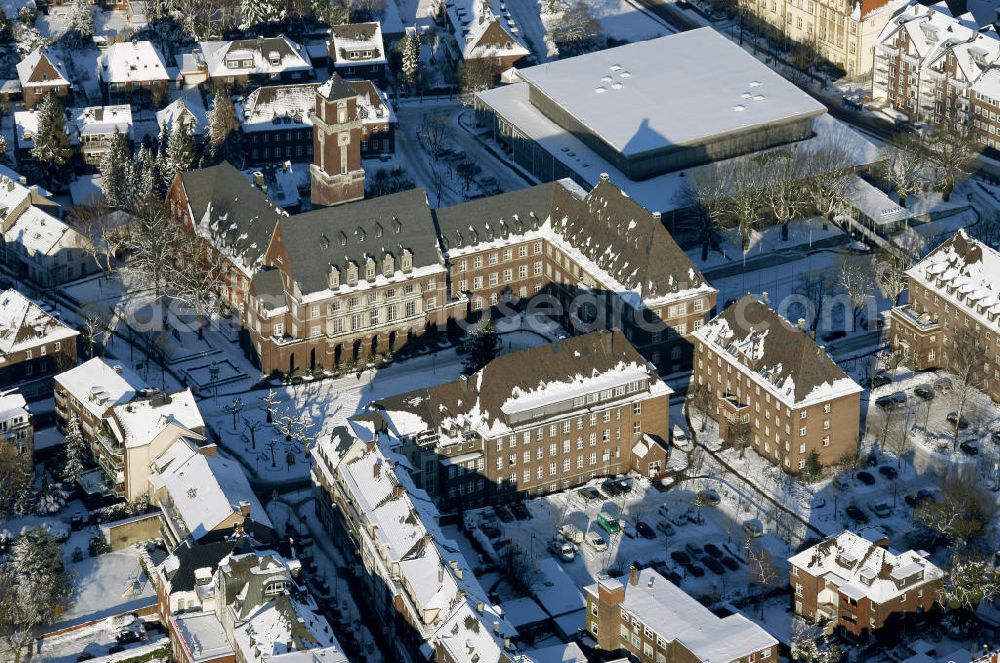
[133, 72]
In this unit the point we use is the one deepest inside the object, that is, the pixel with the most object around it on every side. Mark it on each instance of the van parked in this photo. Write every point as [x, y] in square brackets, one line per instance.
[609, 523]
[572, 533]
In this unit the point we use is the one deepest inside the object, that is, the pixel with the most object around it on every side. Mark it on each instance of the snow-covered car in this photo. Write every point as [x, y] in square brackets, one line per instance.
[597, 542]
[562, 549]
[924, 391]
[942, 385]
[753, 527]
[857, 246]
[665, 527]
[571, 532]
[881, 509]
[681, 439]
[708, 497]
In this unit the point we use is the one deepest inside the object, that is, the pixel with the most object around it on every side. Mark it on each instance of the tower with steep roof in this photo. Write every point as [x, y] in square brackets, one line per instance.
[336, 173]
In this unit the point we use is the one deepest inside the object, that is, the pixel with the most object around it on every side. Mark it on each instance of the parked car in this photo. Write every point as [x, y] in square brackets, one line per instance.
[562, 549]
[866, 478]
[942, 385]
[665, 527]
[127, 637]
[708, 497]
[644, 530]
[881, 509]
[695, 570]
[881, 378]
[589, 493]
[693, 549]
[889, 472]
[609, 523]
[681, 439]
[680, 557]
[713, 550]
[955, 420]
[571, 533]
[680, 518]
[856, 514]
[899, 397]
[886, 402]
[753, 527]
[520, 511]
[713, 565]
[597, 542]
[730, 563]
[624, 485]
[924, 391]
[492, 531]
[629, 531]
[969, 448]
[611, 488]
[503, 514]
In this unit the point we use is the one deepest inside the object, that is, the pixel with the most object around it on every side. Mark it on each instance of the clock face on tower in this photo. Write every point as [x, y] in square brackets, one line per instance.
[344, 138]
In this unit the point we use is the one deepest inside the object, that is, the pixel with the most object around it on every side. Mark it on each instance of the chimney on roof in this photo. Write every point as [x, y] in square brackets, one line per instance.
[604, 177]
[633, 575]
[764, 297]
[398, 491]
[801, 324]
[22, 180]
[479, 607]
[245, 509]
[657, 216]
[377, 468]
[258, 178]
[440, 574]
[370, 446]
[496, 627]
[118, 368]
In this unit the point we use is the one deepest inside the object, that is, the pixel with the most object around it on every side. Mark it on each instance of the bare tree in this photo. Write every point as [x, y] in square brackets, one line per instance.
[951, 150]
[971, 580]
[700, 400]
[476, 75]
[783, 191]
[95, 323]
[827, 188]
[965, 360]
[855, 277]
[433, 134]
[576, 30]
[890, 267]
[707, 192]
[962, 511]
[761, 570]
[153, 247]
[904, 158]
[740, 435]
[744, 205]
[234, 408]
[253, 425]
[816, 286]
[106, 232]
[270, 404]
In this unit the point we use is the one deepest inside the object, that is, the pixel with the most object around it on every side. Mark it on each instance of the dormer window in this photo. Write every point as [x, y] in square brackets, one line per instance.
[388, 265]
[407, 261]
[276, 587]
[333, 277]
[352, 274]
[370, 269]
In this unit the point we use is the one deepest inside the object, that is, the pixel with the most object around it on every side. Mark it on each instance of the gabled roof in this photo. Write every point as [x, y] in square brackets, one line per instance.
[35, 69]
[24, 325]
[786, 357]
[494, 218]
[137, 422]
[236, 216]
[625, 240]
[99, 385]
[131, 62]
[272, 105]
[353, 232]
[289, 56]
[188, 108]
[353, 37]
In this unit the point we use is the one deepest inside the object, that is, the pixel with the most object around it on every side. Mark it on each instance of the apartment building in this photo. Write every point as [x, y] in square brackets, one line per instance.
[532, 422]
[34, 346]
[486, 32]
[126, 425]
[856, 581]
[844, 32]
[951, 318]
[423, 595]
[16, 428]
[765, 373]
[649, 619]
[940, 69]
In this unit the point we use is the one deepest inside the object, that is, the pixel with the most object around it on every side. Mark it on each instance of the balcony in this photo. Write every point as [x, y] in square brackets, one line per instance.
[920, 321]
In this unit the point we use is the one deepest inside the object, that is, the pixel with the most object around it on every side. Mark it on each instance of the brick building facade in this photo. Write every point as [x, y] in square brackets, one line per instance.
[34, 346]
[770, 376]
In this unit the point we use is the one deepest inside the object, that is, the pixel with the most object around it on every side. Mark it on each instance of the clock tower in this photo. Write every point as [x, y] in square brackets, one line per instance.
[336, 173]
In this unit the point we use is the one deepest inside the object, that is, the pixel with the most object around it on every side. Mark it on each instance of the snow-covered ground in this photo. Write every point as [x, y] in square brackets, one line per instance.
[801, 236]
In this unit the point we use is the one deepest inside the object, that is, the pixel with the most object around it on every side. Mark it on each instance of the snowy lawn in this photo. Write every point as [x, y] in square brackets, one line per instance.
[801, 235]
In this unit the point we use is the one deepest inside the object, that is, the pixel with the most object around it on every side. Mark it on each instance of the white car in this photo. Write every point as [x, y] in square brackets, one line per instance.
[597, 542]
[681, 439]
[562, 549]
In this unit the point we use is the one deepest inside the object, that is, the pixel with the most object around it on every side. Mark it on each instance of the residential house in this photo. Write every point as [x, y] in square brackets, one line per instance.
[277, 122]
[34, 346]
[773, 389]
[39, 74]
[859, 584]
[651, 620]
[133, 72]
[842, 33]
[43, 250]
[188, 109]
[532, 422]
[16, 427]
[204, 497]
[422, 592]
[93, 128]
[486, 32]
[356, 51]
[951, 318]
[940, 69]
[242, 63]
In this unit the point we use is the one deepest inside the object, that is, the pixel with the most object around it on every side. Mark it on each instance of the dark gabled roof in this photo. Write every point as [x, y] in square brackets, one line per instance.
[267, 286]
[242, 217]
[336, 88]
[524, 371]
[268, 101]
[338, 235]
[772, 347]
[354, 31]
[623, 238]
[192, 556]
[494, 217]
[264, 46]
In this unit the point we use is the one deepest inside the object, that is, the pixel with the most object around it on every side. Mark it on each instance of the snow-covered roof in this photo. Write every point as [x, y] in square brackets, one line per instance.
[188, 108]
[485, 29]
[776, 354]
[287, 620]
[520, 385]
[100, 385]
[12, 404]
[24, 325]
[38, 232]
[874, 203]
[137, 422]
[965, 272]
[357, 43]
[12, 194]
[132, 62]
[51, 73]
[241, 57]
[101, 120]
[630, 100]
[675, 616]
[861, 568]
[277, 107]
[202, 636]
[205, 491]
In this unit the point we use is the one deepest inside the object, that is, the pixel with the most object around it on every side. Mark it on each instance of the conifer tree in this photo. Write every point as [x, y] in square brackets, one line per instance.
[51, 143]
[117, 176]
